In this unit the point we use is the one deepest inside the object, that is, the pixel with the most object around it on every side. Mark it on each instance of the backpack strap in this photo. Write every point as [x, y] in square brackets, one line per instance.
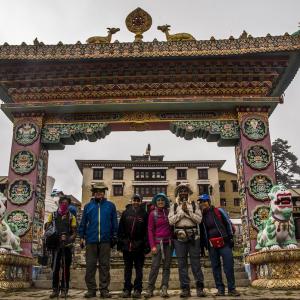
[194, 206]
[155, 214]
[175, 208]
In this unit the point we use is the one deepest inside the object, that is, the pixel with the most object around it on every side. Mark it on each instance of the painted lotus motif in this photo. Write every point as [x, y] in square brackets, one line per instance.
[20, 192]
[19, 219]
[23, 162]
[259, 215]
[258, 157]
[255, 128]
[259, 186]
[26, 133]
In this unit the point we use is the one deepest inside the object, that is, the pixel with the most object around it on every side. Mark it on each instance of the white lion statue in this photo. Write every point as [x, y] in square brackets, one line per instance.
[9, 242]
[278, 231]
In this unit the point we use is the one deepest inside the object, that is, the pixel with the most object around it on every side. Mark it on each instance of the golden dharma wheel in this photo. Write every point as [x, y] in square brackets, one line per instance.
[138, 22]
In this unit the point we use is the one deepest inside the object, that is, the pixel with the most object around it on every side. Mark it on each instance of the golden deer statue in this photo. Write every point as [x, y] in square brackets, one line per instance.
[177, 36]
[103, 39]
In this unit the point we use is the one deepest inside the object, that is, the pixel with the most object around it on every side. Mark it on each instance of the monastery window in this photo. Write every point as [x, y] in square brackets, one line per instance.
[98, 174]
[181, 174]
[118, 174]
[222, 185]
[149, 175]
[236, 201]
[118, 190]
[203, 189]
[203, 173]
[223, 202]
[234, 185]
[150, 190]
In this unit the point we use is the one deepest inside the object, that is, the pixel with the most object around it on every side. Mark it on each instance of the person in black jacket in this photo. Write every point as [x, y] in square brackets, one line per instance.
[133, 242]
[65, 225]
[218, 239]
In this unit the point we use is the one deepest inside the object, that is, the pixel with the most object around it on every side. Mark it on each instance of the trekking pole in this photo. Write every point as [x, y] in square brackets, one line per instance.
[64, 269]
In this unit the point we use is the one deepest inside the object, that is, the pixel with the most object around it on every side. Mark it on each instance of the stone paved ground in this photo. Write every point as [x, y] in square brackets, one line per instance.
[246, 294]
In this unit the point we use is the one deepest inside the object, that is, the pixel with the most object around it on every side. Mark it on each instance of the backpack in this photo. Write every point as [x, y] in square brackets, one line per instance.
[51, 235]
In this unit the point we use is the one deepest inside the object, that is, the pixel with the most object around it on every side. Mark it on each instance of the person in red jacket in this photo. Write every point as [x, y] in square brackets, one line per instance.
[160, 240]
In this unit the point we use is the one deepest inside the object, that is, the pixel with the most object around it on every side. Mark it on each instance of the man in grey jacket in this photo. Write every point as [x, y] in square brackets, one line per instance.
[186, 216]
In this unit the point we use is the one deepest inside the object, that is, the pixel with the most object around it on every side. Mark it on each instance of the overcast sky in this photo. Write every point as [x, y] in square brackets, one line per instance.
[72, 20]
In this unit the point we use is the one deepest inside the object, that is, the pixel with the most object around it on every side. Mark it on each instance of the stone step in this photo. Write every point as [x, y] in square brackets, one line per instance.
[118, 286]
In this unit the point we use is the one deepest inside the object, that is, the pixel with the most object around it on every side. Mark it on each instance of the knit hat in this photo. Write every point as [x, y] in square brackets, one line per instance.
[137, 196]
[158, 196]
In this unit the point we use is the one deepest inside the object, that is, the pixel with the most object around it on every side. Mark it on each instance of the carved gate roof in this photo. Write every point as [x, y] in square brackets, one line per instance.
[111, 77]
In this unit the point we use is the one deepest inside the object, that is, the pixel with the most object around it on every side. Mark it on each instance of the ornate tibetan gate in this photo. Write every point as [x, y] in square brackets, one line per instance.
[221, 90]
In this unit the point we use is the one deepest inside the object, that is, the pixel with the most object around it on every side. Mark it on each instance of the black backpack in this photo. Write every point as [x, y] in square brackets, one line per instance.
[51, 235]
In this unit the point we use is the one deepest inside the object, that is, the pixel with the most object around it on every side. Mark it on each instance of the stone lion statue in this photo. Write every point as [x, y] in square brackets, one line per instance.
[9, 242]
[278, 231]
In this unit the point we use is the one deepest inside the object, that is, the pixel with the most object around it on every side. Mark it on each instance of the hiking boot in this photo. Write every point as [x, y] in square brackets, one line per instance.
[200, 292]
[219, 294]
[63, 293]
[126, 294]
[55, 294]
[136, 294]
[148, 293]
[90, 294]
[164, 292]
[185, 293]
[105, 294]
[234, 293]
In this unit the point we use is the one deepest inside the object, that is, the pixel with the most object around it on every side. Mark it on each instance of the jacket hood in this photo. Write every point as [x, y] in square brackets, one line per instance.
[158, 196]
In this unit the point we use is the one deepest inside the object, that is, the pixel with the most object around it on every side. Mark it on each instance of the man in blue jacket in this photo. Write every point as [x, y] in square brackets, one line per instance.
[98, 231]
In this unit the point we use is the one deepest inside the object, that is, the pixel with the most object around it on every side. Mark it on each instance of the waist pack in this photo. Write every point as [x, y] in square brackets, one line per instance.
[217, 242]
[185, 235]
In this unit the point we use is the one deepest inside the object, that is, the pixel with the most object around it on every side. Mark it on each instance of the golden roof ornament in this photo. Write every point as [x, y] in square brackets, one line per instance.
[138, 22]
[176, 37]
[103, 39]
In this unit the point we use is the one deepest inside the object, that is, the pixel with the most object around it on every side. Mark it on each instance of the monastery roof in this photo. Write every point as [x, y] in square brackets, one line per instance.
[130, 164]
[204, 48]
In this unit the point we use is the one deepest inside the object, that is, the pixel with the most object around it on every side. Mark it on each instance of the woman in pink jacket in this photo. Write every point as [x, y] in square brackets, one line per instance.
[160, 240]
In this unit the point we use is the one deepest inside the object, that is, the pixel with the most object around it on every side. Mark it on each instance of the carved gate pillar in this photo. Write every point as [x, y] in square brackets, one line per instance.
[256, 174]
[27, 182]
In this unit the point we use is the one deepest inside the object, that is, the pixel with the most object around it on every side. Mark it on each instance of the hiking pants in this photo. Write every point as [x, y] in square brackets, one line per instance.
[97, 254]
[61, 262]
[183, 250]
[166, 264]
[137, 259]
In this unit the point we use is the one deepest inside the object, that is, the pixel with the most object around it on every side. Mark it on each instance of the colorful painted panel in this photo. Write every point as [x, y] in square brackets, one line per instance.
[20, 191]
[23, 162]
[259, 215]
[258, 157]
[254, 128]
[259, 186]
[26, 133]
[19, 219]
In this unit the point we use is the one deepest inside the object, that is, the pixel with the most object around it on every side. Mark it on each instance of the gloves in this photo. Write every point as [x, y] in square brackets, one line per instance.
[231, 241]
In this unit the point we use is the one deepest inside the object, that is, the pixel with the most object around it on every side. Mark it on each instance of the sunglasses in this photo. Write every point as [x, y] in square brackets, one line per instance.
[160, 199]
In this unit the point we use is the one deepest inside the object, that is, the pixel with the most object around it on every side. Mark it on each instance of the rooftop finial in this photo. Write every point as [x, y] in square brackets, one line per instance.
[148, 150]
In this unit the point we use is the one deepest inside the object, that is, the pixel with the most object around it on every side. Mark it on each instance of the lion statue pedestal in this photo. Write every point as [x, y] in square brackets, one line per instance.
[277, 262]
[15, 271]
[276, 269]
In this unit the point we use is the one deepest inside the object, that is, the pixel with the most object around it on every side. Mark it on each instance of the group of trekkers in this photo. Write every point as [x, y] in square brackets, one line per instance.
[186, 225]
